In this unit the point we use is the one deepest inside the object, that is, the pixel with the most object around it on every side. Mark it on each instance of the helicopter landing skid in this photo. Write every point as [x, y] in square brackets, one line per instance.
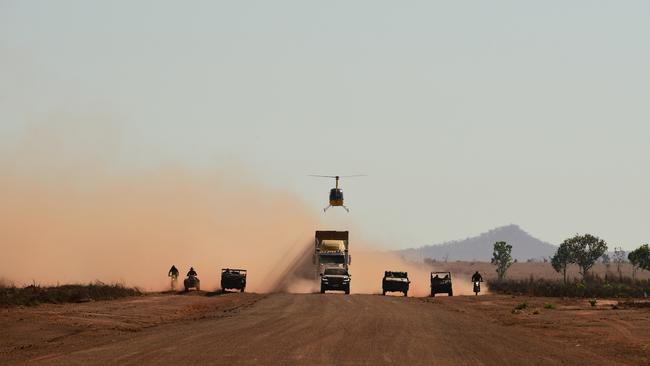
[346, 209]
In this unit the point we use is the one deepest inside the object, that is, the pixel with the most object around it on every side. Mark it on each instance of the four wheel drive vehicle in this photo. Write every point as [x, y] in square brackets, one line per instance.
[192, 282]
[441, 283]
[335, 278]
[395, 282]
[233, 279]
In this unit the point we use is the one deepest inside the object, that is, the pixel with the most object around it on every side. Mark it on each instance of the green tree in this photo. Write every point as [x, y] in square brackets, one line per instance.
[562, 258]
[586, 250]
[501, 258]
[639, 258]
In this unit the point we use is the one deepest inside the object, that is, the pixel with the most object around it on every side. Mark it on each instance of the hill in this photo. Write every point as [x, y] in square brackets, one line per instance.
[479, 248]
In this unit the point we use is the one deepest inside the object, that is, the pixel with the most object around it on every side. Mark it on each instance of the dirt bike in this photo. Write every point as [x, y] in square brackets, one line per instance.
[477, 287]
[174, 281]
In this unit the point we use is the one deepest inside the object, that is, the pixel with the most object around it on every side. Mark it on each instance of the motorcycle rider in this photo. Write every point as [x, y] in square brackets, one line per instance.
[476, 280]
[173, 272]
[477, 277]
[192, 272]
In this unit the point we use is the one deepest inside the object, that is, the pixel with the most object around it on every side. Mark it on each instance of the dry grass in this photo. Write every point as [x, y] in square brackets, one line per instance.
[593, 287]
[34, 294]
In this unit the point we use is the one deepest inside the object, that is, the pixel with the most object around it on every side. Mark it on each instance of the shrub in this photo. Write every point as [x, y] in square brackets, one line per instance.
[594, 287]
[549, 306]
[34, 294]
[521, 306]
[593, 302]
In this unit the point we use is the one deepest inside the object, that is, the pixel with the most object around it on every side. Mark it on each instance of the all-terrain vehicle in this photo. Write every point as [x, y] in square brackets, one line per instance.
[441, 283]
[192, 282]
[395, 282]
[233, 279]
[335, 278]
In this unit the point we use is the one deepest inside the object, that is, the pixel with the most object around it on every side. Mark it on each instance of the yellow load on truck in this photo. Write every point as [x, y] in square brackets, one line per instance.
[332, 246]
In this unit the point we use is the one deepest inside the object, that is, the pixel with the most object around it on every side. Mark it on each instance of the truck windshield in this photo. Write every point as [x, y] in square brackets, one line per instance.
[336, 271]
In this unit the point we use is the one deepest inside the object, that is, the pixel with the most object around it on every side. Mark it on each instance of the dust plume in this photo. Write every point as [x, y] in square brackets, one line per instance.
[71, 214]
[75, 218]
[368, 268]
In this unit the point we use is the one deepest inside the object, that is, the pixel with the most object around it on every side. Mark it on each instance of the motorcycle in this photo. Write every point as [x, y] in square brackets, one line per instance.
[174, 281]
[477, 287]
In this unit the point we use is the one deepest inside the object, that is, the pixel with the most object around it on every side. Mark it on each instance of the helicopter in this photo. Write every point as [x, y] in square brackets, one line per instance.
[336, 193]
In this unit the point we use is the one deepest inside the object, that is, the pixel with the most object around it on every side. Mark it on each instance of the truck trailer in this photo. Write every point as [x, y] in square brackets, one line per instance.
[331, 251]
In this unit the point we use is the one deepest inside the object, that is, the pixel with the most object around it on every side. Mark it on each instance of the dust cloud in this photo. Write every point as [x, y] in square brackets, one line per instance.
[68, 215]
[368, 268]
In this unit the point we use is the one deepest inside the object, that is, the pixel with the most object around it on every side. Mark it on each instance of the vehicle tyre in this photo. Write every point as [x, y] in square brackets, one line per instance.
[383, 292]
[347, 291]
[450, 293]
[322, 290]
[406, 293]
[242, 289]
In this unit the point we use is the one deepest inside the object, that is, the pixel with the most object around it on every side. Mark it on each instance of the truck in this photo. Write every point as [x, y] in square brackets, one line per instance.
[331, 251]
[233, 279]
[395, 281]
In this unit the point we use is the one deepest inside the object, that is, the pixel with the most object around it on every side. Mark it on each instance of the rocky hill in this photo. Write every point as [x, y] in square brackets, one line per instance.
[479, 248]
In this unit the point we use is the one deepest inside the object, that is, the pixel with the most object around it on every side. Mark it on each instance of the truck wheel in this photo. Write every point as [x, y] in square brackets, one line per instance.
[406, 293]
[450, 293]
[347, 291]
[383, 292]
[322, 290]
[242, 289]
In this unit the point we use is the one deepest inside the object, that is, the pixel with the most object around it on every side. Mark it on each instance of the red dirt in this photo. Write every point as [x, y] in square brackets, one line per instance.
[249, 328]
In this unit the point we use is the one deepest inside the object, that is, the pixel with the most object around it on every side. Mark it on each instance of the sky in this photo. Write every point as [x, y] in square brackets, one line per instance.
[463, 115]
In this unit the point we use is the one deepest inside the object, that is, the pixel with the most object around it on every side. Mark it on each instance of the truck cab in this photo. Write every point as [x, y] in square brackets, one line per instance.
[335, 278]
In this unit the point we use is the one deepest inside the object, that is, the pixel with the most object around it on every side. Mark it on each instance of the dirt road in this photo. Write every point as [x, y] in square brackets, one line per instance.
[324, 329]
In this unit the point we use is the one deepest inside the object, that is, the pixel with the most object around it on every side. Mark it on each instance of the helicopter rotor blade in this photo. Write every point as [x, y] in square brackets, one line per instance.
[337, 176]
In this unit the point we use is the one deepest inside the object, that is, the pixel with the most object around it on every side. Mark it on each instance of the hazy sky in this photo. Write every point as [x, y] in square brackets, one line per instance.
[464, 115]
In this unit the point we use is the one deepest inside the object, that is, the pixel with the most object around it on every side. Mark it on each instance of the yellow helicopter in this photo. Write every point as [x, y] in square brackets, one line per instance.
[336, 193]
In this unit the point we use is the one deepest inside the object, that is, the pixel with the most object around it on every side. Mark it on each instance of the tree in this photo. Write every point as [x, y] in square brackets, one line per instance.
[586, 250]
[640, 258]
[619, 258]
[562, 258]
[501, 258]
